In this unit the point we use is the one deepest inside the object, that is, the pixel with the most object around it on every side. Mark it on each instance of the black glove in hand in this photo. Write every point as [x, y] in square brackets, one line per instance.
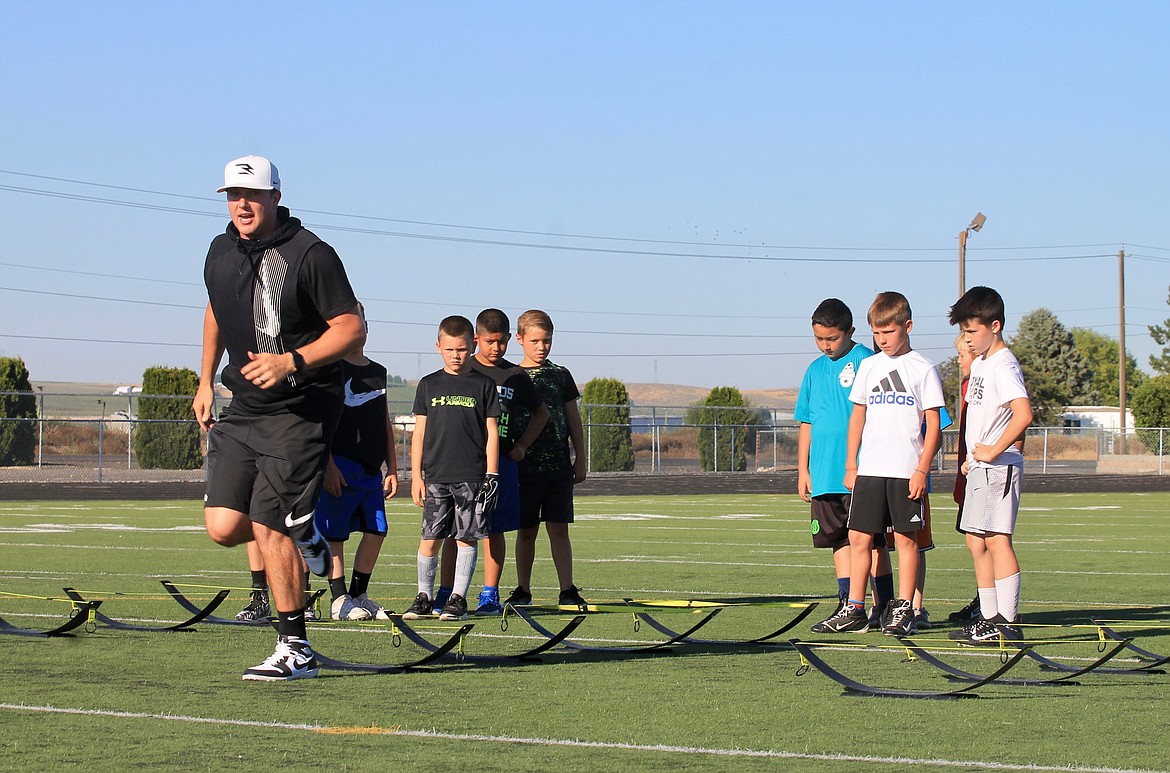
[489, 493]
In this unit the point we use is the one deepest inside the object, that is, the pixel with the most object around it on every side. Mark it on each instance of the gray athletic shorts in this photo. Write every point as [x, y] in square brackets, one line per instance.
[993, 499]
[450, 511]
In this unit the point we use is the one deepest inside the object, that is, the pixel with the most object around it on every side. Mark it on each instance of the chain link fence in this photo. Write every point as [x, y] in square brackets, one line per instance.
[82, 438]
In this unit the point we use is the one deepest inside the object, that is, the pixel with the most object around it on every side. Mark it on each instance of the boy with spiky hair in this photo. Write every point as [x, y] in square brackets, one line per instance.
[887, 459]
[453, 465]
[823, 409]
[548, 470]
[998, 412]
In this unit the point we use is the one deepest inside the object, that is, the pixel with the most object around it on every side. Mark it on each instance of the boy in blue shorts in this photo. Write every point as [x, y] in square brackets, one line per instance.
[998, 412]
[453, 465]
[548, 471]
[353, 499]
[887, 460]
[823, 410]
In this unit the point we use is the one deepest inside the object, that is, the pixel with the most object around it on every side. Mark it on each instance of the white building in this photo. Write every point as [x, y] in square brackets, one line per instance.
[1097, 416]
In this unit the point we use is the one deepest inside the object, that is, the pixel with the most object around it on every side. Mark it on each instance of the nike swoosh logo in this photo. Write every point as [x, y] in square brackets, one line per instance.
[354, 399]
[294, 618]
[291, 522]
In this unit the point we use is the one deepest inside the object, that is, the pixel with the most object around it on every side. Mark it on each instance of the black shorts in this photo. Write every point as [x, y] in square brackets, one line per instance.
[270, 467]
[830, 522]
[547, 497]
[884, 502]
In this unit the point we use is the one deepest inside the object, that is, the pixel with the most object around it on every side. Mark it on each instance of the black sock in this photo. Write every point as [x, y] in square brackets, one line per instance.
[291, 624]
[259, 580]
[337, 586]
[359, 584]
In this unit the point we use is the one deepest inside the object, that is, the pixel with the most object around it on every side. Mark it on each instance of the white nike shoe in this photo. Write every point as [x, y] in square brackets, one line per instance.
[293, 659]
[345, 608]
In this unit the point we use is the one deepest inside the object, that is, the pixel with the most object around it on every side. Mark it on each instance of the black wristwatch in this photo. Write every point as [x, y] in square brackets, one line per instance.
[298, 361]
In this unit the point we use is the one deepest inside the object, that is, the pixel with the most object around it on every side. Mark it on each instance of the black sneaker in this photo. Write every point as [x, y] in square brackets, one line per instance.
[455, 608]
[421, 608]
[293, 659]
[899, 619]
[981, 633]
[821, 627]
[519, 598]
[257, 609]
[847, 619]
[877, 616]
[1010, 630]
[571, 597]
[967, 614]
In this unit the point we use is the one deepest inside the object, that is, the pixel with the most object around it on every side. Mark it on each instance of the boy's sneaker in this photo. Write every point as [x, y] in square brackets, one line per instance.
[311, 613]
[921, 621]
[455, 608]
[421, 608]
[1009, 630]
[571, 597]
[967, 614]
[376, 610]
[519, 598]
[847, 619]
[257, 609]
[440, 601]
[821, 626]
[877, 616]
[899, 620]
[344, 608]
[293, 659]
[489, 604]
[315, 549]
[980, 633]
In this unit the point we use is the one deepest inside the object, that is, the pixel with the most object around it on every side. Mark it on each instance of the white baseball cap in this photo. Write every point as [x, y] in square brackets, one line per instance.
[255, 172]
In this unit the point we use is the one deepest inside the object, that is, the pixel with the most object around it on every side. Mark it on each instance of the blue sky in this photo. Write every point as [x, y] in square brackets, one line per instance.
[678, 184]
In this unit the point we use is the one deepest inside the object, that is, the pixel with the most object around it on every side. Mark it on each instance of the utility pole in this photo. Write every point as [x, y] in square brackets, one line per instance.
[1121, 380]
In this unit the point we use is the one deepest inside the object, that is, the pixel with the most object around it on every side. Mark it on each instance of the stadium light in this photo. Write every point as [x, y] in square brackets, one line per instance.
[976, 224]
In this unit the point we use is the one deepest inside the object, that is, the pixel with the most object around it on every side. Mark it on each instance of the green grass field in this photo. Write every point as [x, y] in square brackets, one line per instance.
[124, 700]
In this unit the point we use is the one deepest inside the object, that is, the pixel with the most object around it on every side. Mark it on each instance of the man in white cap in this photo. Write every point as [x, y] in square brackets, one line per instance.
[281, 306]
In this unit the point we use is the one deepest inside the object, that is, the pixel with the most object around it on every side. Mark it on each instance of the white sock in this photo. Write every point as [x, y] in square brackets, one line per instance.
[465, 558]
[988, 602]
[1007, 591]
[427, 566]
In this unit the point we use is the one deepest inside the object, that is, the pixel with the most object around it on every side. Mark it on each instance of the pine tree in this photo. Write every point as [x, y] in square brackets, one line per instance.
[606, 407]
[1055, 372]
[723, 419]
[167, 436]
[17, 438]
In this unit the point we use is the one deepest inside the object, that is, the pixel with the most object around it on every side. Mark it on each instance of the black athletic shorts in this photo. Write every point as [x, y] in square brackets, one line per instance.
[830, 522]
[881, 502]
[270, 467]
[545, 497]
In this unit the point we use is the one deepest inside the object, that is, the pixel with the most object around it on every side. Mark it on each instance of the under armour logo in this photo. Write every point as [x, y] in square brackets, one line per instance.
[246, 168]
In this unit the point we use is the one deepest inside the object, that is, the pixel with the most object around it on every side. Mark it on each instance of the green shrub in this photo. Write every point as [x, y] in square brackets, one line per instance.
[606, 404]
[723, 419]
[167, 437]
[1151, 408]
[17, 438]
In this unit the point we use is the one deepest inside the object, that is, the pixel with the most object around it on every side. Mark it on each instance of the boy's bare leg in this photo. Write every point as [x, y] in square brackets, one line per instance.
[907, 545]
[525, 556]
[841, 561]
[368, 550]
[447, 564]
[981, 558]
[493, 559]
[562, 552]
[920, 581]
[337, 568]
[860, 547]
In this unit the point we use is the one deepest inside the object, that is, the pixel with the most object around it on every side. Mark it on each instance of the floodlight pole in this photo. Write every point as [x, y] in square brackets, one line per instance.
[1121, 374]
[963, 261]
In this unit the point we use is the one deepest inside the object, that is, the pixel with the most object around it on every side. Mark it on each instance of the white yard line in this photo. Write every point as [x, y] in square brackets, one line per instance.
[577, 743]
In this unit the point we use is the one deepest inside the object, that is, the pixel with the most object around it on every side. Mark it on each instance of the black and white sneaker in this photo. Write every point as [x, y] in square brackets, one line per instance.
[420, 609]
[315, 549]
[967, 614]
[847, 619]
[293, 659]
[455, 608]
[1010, 630]
[257, 610]
[571, 597]
[981, 633]
[899, 618]
[519, 598]
[877, 616]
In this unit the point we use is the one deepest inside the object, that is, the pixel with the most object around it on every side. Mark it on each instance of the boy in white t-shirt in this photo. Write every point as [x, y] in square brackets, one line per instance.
[887, 460]
[998, 412]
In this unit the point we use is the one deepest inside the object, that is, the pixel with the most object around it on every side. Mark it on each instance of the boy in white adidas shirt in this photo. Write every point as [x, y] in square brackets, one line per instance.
[887, 460]
[998, 412]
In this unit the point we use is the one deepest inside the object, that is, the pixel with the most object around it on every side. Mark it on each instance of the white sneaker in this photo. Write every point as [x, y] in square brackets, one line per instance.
[293, 659]
[376, 610]
[316, 552]
[344, 608]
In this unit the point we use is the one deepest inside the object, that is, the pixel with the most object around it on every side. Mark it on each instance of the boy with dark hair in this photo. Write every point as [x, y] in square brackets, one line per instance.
[453, 465]
[548, 471]
[354, 490]
[998, 412]
[823, 408]
[887, 460]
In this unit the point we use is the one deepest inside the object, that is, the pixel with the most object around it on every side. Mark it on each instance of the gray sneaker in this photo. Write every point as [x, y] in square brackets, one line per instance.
[344, 608]
[376, 610]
